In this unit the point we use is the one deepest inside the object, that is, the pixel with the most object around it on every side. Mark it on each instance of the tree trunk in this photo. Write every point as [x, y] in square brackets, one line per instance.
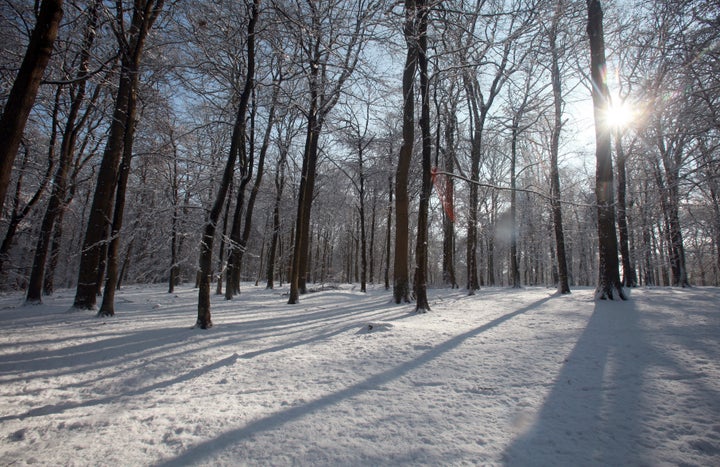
[221, 254]
[388, 230]
[67, 148]
[363, 236]
[25, 87]
[514, 255]
[94, 246]
[563, 283]
[107, 308]
[274, 243]
[371, 248]
[401, 281]
[421, 246]
[298, 274]
[204, 319]
[609, 285]
[249, 209]
[629, 274]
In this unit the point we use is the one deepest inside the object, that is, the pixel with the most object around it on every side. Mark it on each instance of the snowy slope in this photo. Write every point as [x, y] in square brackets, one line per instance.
[504, 377]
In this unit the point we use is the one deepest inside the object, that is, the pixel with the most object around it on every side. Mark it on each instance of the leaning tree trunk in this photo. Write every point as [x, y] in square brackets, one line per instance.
[67, 148]
[204, 319]
[609, 284]
[24, 90]
[107, 308]
[94, 246]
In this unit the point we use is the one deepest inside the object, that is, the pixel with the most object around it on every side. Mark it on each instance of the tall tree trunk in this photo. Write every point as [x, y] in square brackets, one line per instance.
[204, 318]
[107, 308]
[421, 246]
[401, 281]
[298, 274]
[514, 255]
[25, 87]
[250, 208]
[174, 269]
[629, 274]
[67, 148]
[609, 285]
[274, 243]
[449, 191]
[388, 230]
[89, 277]
[363, 234]
[563, 283]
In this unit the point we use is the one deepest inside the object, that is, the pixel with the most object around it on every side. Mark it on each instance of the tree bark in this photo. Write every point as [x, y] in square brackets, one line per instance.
[25, 87]
[449, 191]
[401, 281]
[609, 285]
[629, 274]
[107, 307]
[563, 283]
[67, 148]
[421, 246]
[94, 245]
[204, 318]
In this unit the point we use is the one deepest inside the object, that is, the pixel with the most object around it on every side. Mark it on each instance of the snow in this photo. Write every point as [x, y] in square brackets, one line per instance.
[504, 377]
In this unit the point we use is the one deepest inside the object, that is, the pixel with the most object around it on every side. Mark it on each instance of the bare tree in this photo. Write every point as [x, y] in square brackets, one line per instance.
[131, 42]
[421, 245]
[411, 31]
[609, 285]
[25, 88]
[73, 124]
[237, 144]
[330, 54]
[563, 280]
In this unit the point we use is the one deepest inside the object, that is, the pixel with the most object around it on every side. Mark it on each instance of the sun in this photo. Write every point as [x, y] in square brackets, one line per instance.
[619, 114]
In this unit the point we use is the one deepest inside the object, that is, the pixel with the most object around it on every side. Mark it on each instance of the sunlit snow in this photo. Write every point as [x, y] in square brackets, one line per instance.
[504, 377]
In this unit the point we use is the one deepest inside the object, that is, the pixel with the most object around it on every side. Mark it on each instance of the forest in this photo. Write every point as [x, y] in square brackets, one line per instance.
[416, 144]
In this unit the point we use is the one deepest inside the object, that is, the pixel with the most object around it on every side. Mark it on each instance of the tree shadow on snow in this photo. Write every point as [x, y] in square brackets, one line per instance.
[602, 407]
[207, 449]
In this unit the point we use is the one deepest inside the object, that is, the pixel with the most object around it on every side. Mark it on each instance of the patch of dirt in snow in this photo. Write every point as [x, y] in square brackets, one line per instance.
[512, 377]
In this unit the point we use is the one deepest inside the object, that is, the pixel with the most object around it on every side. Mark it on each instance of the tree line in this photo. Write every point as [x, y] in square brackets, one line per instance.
[411, 144]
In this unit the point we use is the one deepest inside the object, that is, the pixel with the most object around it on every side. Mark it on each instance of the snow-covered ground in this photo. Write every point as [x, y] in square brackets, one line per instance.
[504, 377]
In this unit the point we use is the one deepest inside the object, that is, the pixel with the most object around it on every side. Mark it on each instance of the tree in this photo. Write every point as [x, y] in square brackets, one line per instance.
[609, 285]
[421, 245]
[330, 54]
[494, 56]
[115, 161]
[563, 282]
[74, 123]
[25, 88]
[411, 31]
[237, 144]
